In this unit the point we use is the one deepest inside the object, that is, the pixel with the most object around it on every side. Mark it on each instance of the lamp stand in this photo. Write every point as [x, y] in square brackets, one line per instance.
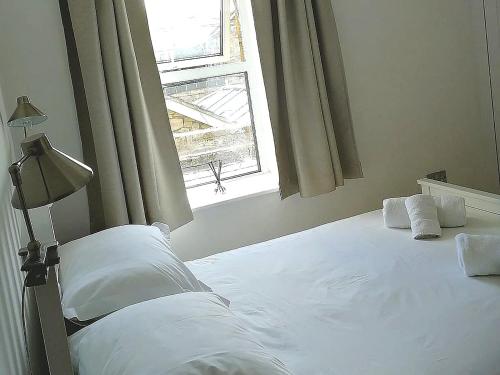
[36, 258]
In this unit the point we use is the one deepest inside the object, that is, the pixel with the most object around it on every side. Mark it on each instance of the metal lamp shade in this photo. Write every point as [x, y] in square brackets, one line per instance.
[26, 114]
[48, 175]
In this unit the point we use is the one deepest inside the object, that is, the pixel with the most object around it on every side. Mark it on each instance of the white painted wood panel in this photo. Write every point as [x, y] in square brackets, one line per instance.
[476, 199]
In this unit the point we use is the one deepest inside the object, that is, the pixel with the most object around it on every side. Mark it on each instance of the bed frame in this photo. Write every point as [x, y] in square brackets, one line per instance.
[50, 310]
[53, 326]
[475, 199]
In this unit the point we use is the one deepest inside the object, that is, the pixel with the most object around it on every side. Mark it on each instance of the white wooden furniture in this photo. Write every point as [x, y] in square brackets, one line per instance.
[474, 199]
[53, 328]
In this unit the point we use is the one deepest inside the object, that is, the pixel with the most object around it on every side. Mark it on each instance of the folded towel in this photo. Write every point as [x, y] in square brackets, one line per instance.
[423, 216]
[478, 254]
[395, 214]
[451, 211]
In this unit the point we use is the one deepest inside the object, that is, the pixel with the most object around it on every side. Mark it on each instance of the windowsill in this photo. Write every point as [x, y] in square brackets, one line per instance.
[239, 188]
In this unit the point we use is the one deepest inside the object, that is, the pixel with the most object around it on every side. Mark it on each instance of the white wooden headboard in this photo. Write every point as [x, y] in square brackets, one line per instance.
[53, 327]
[476, 199]
[49, 305]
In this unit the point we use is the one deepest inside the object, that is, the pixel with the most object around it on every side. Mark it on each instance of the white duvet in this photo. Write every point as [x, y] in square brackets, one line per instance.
[192, 333]
[353, 297]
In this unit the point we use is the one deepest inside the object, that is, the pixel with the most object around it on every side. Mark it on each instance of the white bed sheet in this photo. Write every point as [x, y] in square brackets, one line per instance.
[353, 297]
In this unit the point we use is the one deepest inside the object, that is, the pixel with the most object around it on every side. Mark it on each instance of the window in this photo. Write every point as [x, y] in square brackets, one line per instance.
[207, 57]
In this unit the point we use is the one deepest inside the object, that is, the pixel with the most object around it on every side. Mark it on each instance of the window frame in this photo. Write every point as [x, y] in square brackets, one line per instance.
[257, 100]
[219, 58]
[252, 122]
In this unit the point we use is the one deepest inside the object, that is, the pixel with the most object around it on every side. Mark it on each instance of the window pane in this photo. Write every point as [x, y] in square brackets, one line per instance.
[212, 122]
[185, 29]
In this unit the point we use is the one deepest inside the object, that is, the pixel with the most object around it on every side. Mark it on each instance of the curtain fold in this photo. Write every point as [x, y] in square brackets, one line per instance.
[124, 125]
[307, 95]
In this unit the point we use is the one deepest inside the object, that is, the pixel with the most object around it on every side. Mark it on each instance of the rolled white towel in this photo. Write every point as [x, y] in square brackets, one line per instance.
[395, 213]
[450, 210]
[478, 254]
[423, 216]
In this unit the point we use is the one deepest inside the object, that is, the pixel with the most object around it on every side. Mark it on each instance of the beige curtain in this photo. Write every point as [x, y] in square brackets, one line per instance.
[124, 125]
[307, 95]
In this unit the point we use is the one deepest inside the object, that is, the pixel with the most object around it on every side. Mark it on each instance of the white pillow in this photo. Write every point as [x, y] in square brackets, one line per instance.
[188, 334]
[117, 267]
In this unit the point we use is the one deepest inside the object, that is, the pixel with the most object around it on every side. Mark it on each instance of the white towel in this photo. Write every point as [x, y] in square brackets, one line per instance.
[395, 214]
[423, 216]
[451, 211]
[478, 254]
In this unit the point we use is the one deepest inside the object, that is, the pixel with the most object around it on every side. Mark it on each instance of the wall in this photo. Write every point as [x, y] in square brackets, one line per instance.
[12, 237]
[12, 357]
[34, 63]
[418, 82]
[492, 17]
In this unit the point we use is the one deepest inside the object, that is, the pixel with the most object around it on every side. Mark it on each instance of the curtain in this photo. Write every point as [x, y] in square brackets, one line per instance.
[124, 125]
[307, 95]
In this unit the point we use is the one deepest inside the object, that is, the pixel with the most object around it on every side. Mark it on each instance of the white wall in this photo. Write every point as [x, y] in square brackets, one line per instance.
[34, 63]
[12, 358]
[492, 18]
[13, 236]
[418, 82]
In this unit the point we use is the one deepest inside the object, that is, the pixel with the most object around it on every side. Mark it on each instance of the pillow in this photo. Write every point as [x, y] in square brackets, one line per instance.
[188, 334]
[117, 267]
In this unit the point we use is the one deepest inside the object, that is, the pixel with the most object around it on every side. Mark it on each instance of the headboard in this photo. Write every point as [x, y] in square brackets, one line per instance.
[49, 305]
[53, 327]
[475, 199]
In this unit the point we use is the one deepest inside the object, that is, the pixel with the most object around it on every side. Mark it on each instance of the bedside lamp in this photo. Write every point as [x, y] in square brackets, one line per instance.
[42, 176]
[26, 115]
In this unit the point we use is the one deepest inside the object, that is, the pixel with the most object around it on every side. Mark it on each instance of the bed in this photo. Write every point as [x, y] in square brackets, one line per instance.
[353, 297]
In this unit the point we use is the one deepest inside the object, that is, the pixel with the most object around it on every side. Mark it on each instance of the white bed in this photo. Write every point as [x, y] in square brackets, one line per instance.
[353, 297]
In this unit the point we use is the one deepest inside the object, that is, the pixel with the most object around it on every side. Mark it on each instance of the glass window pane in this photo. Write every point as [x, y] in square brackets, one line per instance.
[185, 29]
[212, 122]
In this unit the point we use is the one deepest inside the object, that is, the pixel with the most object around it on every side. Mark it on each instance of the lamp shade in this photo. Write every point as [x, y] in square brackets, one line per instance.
[48, 175]
[26, 114]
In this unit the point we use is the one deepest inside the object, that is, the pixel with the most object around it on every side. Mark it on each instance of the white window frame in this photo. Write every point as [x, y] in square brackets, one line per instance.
[214, 59]
[257, 182]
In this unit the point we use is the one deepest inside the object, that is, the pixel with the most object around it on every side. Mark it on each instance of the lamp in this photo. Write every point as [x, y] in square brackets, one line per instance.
[42, 176]
[26, 114]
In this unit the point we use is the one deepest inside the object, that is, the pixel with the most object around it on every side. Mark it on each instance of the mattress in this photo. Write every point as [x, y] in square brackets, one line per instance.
[353, 297]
